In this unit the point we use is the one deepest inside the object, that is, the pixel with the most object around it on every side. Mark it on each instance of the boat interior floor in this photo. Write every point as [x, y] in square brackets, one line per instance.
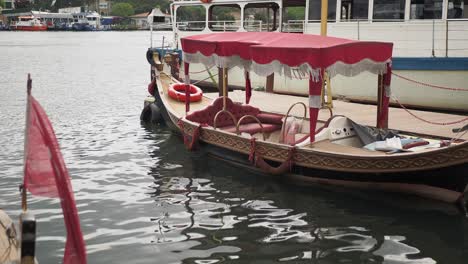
[273, 118]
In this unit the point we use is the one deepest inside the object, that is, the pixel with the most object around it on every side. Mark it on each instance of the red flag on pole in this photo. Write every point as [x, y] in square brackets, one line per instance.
[45, 174]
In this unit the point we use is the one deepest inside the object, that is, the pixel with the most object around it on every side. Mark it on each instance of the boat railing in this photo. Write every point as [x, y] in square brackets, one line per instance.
[190, 25]
[224, 25]
[294, 26]
[158, 26]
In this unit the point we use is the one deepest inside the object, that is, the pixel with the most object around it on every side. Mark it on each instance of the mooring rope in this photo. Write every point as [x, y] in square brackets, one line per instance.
[430, 85]
[428, 121]
[205, 70]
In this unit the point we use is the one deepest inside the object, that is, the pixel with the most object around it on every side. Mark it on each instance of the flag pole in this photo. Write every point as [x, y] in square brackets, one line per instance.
[24, 196]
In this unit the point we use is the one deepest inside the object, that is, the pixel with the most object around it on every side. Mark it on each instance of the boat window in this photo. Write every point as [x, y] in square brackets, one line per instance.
[457, 9]
[293, 19]
[315, 10]
[261, 17]
[191, 18]
[159, 19]
[224, 17]
[426, 9]
[354, 10]
[389, 10]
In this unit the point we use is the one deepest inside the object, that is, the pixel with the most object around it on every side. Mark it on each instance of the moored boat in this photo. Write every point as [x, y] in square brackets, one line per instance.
[430, 54]
[29, 23]
[314, 146]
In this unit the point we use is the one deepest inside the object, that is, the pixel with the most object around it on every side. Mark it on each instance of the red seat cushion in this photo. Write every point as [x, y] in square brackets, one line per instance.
[206, 116]
[270, 118]
[253, 128]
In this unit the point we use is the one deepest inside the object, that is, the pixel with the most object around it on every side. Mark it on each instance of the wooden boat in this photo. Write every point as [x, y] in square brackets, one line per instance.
[315, 146]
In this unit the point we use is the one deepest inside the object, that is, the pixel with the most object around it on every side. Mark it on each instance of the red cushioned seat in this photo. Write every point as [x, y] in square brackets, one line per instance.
[206, 116]
[270, 118]
[253, 128]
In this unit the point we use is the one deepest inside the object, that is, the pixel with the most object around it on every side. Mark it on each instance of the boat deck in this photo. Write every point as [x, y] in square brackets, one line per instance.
[363, 114]
[399, 119]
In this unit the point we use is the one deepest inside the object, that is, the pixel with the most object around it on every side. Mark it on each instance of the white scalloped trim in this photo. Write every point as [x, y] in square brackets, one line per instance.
[338, 68]
[350, 70]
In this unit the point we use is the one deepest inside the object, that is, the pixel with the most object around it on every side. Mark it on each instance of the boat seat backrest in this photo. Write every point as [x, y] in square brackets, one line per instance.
[207, 115]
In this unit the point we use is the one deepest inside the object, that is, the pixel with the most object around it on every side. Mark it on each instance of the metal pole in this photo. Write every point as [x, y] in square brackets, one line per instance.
[358, 30]
[224, 88]
[446, 37]
[323, 18]
[433, 36]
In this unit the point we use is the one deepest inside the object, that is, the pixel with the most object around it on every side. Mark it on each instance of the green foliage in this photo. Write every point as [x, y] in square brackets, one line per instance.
[22, 4]
[2, 3]
[122, 9]
[139, 6]
[191, 13]
[294, 13]
[225, 13]
[142, 6]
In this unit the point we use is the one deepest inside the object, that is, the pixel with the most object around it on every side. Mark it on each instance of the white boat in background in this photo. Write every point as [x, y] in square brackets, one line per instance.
[430, 42]
[29, 23]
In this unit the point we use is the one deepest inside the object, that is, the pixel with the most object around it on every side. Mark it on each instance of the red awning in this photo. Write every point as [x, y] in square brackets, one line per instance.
[268, 52]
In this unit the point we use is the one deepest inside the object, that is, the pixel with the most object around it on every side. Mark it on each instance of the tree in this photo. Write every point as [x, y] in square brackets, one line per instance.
[122, 9]
[2, 4]
[22, 4]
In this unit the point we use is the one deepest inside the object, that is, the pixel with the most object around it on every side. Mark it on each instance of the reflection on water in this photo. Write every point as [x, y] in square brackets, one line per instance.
[143, 198]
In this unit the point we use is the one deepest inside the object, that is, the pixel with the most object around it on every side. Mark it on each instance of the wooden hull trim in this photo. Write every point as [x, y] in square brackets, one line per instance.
[378, 166]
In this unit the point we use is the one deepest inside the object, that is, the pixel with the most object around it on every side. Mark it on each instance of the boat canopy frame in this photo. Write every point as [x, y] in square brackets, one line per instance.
[266, 53]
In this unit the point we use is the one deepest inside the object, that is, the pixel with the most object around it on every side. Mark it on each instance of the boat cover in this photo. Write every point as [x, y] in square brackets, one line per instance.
[311, 55]
[269, 52]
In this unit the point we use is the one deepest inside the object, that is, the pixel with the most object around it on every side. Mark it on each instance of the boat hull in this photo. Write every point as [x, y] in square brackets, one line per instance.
[31, 28]
[439, 175]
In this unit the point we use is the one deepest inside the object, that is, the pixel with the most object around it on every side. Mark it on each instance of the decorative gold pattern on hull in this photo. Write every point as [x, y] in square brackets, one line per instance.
[328, 161]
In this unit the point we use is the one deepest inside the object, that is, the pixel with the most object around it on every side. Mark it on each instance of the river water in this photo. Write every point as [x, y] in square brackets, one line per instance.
[142, 198]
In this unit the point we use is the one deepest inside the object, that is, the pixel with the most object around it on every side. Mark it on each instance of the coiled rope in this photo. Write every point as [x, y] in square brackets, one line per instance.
[430, 85]
[428, 121]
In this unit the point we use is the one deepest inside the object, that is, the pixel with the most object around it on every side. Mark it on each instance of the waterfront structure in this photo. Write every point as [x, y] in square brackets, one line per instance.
[430, 38]
[159, 20]
[55, 21]
[9, 4]
[140, 20]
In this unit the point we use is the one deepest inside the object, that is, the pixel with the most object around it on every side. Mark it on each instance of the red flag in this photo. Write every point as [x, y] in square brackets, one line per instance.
[45, 174]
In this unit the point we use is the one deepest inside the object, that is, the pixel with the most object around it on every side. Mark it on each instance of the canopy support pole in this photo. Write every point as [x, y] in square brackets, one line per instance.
[248, 87]
[383, 98]
[187, 87]
[225, 92]
[323, 18]
[315, 89]
[220, 81]
[270, 83]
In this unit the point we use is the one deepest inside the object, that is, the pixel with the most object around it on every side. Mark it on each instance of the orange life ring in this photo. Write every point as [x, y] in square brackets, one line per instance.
[205, 1]
[177, 92]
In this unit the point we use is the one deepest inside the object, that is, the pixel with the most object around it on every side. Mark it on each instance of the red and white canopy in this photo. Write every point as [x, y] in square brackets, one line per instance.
[267, 52]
